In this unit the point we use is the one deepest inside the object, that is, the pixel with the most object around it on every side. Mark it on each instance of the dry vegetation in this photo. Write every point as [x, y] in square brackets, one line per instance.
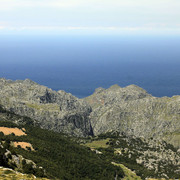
[24, 145]
[8, 131]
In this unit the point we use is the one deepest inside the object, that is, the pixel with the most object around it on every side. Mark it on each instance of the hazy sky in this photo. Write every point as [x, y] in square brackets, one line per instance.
[97, 16]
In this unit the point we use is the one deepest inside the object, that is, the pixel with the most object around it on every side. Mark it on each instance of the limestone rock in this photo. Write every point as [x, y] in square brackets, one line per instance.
[58, 111]
[135, 112]
[130, 110]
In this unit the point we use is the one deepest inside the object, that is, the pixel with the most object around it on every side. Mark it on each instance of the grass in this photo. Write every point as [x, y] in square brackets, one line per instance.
[49, 107]
[129, 175]
[174, 138]
[9, 174]
[98, 144]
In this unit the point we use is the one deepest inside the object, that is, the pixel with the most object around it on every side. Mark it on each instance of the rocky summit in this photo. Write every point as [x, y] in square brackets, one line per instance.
[130, 110]
[57, 111]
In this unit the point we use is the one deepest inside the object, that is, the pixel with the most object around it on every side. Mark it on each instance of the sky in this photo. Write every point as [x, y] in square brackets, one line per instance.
[90, 16]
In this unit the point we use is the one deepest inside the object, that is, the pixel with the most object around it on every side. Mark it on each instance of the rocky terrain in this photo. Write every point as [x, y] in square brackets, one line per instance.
[135, 112]
[18, 162]
[130, 110]
[154, 155]
[58, 111]
[146, 157]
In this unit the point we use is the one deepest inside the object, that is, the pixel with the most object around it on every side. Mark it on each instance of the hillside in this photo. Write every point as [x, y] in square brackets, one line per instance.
[146, 158]
[54, 155]
[9, 174]
[57, 156]
[133, 111]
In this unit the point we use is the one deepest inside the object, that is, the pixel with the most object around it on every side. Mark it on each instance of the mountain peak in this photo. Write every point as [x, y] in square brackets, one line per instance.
[114, 87]
[99, 90]
[29, 81]
[135, 87]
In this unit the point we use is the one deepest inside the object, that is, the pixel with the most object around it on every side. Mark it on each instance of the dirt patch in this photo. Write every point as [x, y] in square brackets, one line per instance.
[24, 129]
[8, 131]
[24, 145]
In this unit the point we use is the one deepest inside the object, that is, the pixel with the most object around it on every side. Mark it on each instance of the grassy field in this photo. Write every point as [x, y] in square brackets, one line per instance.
[98, 144]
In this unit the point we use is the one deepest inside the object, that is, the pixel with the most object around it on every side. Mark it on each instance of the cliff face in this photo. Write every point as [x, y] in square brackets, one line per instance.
[58, 111]
[133, 111]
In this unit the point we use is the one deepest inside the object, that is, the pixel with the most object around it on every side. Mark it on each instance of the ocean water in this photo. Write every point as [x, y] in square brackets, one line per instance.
[80, 64]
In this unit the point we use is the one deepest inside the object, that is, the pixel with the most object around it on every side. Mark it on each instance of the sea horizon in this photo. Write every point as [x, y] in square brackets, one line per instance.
[80, 64]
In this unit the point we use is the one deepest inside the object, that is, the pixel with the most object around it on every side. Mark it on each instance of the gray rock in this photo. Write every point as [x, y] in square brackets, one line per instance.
[16, 161]
[154, 155]
[135, 112]
[58, 111]
[130, 110]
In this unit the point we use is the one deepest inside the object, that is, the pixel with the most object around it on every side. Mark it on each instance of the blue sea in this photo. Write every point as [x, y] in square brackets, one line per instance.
[80, 64]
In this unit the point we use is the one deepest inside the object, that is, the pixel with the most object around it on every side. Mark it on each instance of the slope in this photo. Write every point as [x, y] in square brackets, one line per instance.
[58, 154]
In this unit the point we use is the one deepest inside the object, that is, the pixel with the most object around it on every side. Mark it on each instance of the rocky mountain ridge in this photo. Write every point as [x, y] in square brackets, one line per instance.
[58, 111]
[130, 110]
[133, 111]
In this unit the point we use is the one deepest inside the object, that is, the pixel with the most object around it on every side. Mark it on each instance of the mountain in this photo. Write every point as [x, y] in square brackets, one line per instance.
[31, 150]
[133, 111]
[57, 111]
[130, 110]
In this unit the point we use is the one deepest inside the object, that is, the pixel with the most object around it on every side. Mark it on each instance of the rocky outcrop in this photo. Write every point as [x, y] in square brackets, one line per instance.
[18, 162]
[160, 157]
[58, 111]
[135, 112]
